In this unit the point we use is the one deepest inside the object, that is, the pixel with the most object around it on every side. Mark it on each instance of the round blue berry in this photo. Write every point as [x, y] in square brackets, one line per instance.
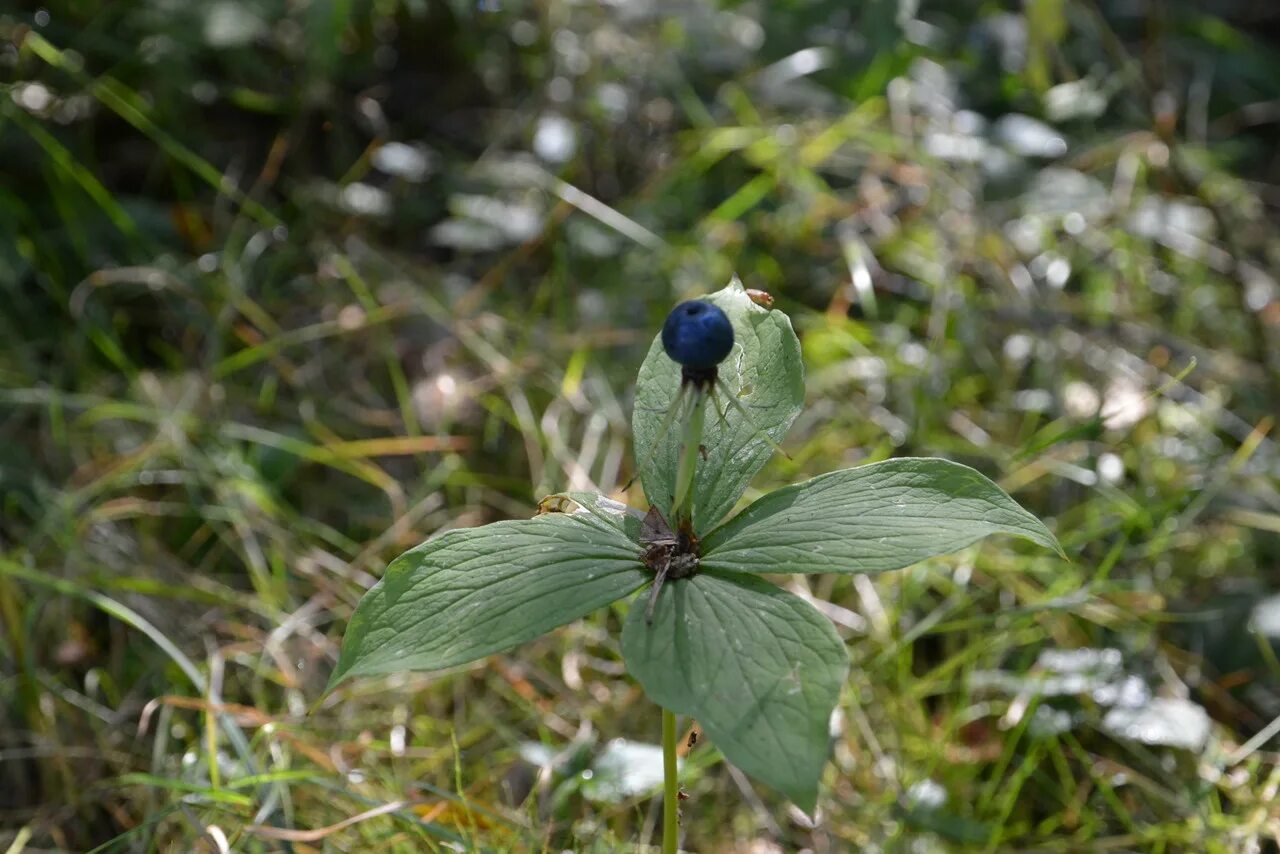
[697, 335]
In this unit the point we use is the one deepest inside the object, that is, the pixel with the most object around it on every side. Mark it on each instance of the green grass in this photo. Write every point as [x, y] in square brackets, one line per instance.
[241, 368]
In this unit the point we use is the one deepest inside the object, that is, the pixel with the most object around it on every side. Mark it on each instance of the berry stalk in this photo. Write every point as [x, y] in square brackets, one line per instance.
[682, 502]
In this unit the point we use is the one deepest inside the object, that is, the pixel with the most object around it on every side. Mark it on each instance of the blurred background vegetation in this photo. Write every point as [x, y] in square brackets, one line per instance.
[288, 287]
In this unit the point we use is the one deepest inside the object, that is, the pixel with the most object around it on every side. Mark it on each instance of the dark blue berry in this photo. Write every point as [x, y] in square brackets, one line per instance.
[697, 335]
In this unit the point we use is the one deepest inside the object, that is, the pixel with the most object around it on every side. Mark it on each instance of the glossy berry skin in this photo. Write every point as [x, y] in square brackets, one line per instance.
[697, 335]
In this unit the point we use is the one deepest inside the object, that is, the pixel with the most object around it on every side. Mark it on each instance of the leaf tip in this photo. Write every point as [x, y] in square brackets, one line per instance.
[1042, 536]
[339, 675]
[806, 800]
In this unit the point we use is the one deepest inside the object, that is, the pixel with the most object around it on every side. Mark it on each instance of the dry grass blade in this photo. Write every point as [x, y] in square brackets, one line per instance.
[320, 833]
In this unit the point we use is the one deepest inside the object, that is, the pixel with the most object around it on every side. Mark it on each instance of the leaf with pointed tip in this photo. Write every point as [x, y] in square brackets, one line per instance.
[758, 667]
[872, 518]
[471, 593]
[765, 372]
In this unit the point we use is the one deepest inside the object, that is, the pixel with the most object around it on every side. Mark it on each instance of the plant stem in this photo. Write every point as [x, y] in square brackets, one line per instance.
[670, 786]
[682, 519]
[682, 503]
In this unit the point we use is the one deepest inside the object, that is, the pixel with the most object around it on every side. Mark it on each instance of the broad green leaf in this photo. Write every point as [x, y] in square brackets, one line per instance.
[758, 667]
[869, 519]
[765, 373]
[471, 593]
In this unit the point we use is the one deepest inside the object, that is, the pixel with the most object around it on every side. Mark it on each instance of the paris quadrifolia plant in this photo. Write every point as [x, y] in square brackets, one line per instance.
[759, 668]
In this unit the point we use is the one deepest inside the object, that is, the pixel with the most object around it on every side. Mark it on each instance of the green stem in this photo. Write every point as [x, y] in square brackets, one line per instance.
[682, 504]
[682, 519]
[670, 786]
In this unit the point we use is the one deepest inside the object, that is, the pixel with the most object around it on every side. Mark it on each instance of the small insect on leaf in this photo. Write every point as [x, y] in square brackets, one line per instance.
[760, 298]
[691, 738]
[555, 504]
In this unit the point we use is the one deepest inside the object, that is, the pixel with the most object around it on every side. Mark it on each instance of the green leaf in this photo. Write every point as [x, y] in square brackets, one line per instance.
[758, 667]
[471, 593]
[764, 371]
[869, 519]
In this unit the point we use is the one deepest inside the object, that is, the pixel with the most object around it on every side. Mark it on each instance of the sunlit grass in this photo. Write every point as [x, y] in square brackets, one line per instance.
[227, 400]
